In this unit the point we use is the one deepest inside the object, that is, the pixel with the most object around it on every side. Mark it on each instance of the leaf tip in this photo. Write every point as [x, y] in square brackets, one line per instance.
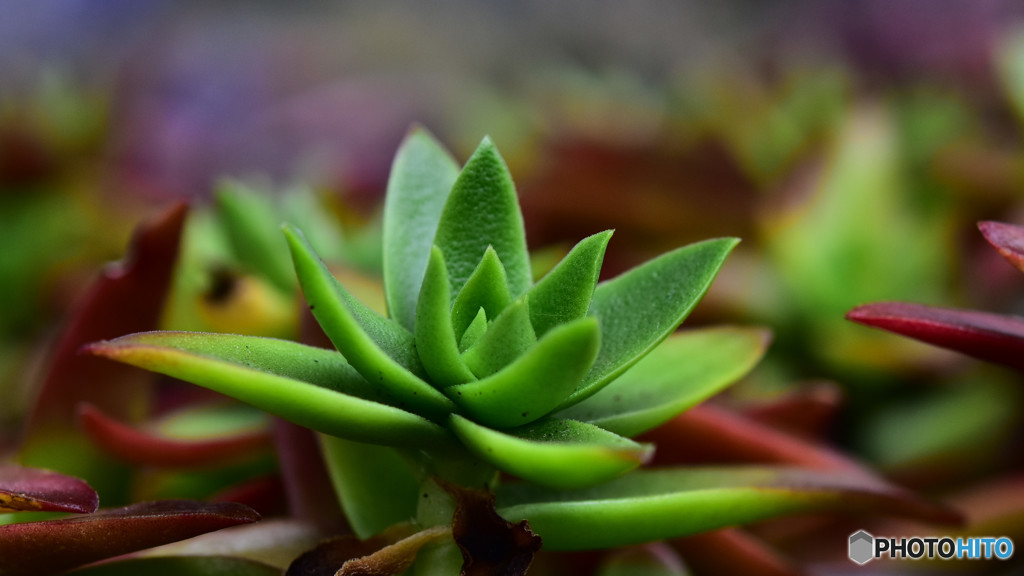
[870, 314]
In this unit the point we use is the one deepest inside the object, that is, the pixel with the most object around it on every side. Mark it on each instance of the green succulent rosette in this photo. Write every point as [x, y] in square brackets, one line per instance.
[475, 361]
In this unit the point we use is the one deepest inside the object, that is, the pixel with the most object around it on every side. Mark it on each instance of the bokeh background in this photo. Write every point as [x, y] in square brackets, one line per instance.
[852, 145]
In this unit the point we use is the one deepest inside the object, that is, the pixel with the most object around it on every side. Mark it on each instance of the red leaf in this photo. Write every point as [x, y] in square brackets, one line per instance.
[307, 484]
[264, 494]
[991, 337]
[137, 447]
[732, 551]
[53, 546]
[729, 437]
[1007, 239]
[807, 412]
[127, 297]
[31, 489]
[707, 434]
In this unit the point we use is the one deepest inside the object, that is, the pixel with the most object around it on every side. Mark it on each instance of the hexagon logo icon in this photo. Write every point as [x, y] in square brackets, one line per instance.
[861, 547]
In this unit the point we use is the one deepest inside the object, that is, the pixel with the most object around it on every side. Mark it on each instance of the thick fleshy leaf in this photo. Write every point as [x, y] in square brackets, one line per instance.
[436, 341]
[29, 548]
[474, 332]
[532, 385]
[144, 448]
[252, 222]
[258, 371]
[656, 504]
[32, 490]
[421, 178]
[486, 288]
[641, 307]
[375, 485]
[556, 453]
[380, 349]
[176, 566]
[507, 338]
[991, 337]
[686, 369]
[482, 210]
[564, 294]
[1007, 239]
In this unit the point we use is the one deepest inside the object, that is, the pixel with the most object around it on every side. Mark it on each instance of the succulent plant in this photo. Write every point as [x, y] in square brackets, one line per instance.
[475, 356]
[478, 370]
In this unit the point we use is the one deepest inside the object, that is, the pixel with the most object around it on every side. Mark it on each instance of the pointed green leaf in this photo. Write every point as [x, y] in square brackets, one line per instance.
[532, 385]
[421, 178]
[657, 504]
[381, 350]
[435, 340]
[555, 453]
[486, 288]
[251, 222]
[684, 370]
[507, 338]
[641, 307]
[374, 484]
[305, 385]
[482, 210]
[474, 332]
[564, 294]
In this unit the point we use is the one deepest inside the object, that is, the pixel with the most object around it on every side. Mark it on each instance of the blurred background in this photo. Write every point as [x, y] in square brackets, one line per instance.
[853, 146]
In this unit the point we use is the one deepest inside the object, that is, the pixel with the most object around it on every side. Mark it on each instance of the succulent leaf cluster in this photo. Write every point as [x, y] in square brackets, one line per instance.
[473, 354]
[478, 369]
[475, 368]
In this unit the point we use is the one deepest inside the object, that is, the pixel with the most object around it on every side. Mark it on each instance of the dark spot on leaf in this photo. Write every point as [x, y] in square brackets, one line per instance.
[523, 414]
[312, 306]
[491, 545]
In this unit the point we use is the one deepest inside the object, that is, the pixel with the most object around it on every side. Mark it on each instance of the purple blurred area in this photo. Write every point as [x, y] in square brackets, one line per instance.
[324, 91]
